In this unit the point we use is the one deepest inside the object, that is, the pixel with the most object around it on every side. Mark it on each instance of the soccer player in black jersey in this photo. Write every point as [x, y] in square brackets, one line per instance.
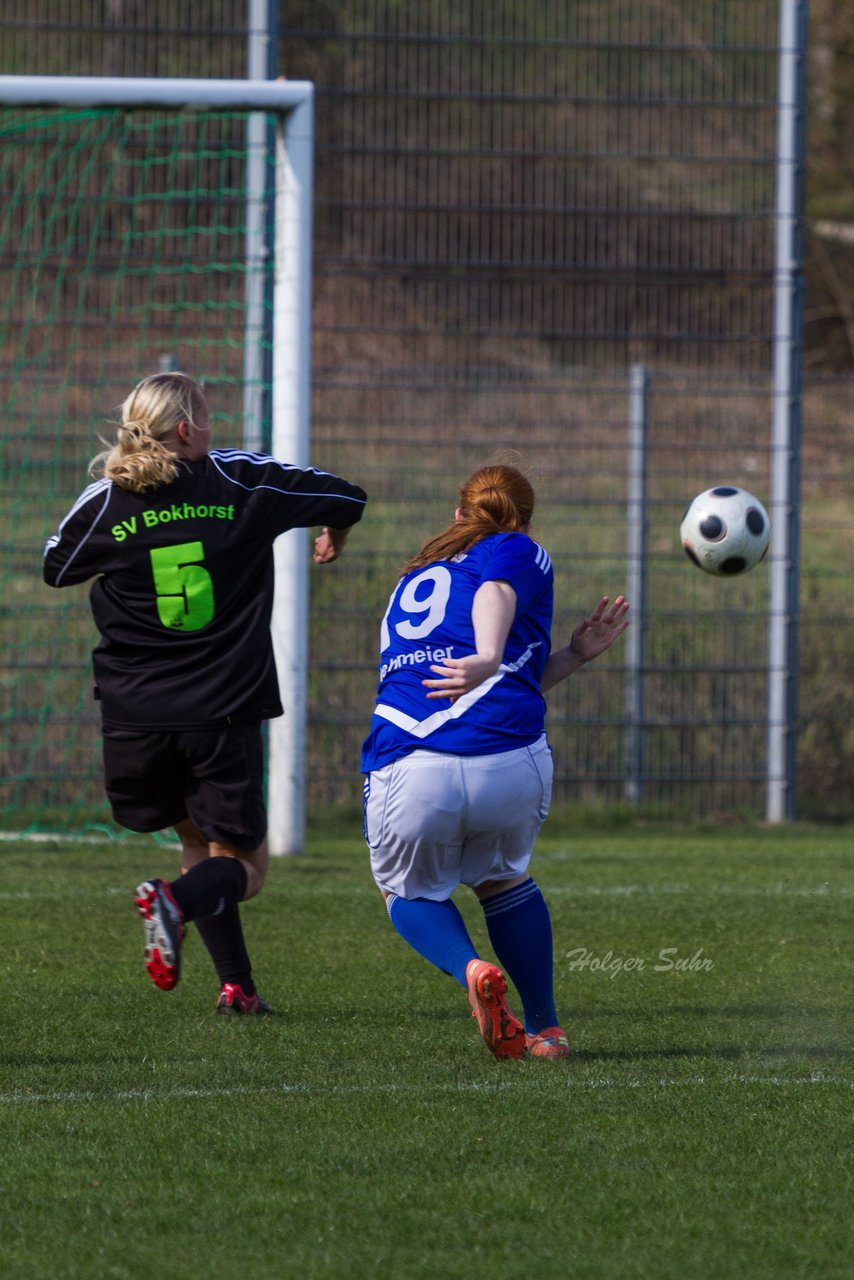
[179, 540]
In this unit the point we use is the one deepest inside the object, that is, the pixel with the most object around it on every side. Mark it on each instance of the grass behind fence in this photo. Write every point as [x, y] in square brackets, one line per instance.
[702, 1128]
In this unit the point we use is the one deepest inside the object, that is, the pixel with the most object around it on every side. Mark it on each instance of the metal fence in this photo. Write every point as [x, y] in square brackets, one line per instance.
[524, 213]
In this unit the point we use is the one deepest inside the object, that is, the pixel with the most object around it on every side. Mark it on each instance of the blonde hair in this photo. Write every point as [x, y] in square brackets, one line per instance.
[495, 499]
[139, 459]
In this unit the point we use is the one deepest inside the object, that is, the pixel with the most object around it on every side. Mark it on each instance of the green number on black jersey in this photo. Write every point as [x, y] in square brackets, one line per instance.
[185, 598]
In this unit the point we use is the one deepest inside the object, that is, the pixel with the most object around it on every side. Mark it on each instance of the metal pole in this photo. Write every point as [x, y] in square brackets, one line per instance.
[260, 66]
[786, 432]
[636, 583]
[291, 434]
[131, 91]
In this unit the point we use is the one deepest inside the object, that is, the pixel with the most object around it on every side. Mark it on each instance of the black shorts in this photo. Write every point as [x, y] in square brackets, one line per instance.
[215, 777]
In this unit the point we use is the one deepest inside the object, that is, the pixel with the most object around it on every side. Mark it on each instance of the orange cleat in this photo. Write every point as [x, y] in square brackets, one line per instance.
[551, 1042]
[502, 1034]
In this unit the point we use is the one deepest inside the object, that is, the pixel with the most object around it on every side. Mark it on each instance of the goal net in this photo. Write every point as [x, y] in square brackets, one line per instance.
[140, 229]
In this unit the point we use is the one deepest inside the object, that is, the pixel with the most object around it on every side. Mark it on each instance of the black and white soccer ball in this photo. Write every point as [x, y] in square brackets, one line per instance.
[725, 531]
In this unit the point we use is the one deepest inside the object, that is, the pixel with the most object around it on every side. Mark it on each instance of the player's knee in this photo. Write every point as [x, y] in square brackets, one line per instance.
[194, 846]
[489, 888]
[256, 864]
[192, 854]
[254, 880]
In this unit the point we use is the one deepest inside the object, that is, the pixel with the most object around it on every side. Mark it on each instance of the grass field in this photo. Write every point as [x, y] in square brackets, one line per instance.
[703, 1128]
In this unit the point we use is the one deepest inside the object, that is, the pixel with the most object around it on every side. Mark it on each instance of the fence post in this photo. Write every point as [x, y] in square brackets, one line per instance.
[261, 54]
[786, 433]
[636, 521]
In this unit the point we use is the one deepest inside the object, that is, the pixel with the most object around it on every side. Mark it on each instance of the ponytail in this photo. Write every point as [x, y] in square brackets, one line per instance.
[495, 499]
[140, 459]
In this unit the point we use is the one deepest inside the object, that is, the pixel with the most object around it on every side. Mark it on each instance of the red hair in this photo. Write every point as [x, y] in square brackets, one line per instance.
[495, 499]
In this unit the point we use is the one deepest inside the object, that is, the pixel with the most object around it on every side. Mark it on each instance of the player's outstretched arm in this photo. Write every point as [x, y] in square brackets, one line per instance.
[593, 635]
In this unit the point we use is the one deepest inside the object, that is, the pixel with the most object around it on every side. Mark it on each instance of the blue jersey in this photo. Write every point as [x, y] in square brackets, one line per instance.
[429, 620]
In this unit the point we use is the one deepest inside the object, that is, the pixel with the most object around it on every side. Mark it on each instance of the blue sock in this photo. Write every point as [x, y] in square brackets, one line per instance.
[520, 930]
[437, 931]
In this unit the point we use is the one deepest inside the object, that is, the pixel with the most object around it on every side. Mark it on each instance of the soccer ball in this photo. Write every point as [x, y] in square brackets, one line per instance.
[725, 531]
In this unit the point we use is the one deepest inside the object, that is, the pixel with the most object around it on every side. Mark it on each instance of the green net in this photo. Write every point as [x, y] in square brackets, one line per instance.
[122, 251]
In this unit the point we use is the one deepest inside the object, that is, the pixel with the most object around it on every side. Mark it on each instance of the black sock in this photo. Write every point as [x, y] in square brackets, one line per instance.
[210, 887]
[223, 936]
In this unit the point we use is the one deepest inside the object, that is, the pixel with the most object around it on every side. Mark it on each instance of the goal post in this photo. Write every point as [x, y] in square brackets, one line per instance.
[291, 106]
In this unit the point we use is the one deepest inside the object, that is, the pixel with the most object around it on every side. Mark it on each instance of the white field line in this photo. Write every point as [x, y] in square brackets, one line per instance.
[179, 1094]
[551, 891]
[47, 837]
[68, 837]
[824, 890]
[33, 895]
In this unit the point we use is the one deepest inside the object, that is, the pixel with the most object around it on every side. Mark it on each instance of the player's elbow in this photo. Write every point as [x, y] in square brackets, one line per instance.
[52, 572]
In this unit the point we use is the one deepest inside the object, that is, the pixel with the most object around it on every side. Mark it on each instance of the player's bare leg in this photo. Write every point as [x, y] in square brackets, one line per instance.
[255, 864]
[194, 847]
[490, 888]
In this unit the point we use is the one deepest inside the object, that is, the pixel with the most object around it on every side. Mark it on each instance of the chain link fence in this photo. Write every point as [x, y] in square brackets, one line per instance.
[521, 211]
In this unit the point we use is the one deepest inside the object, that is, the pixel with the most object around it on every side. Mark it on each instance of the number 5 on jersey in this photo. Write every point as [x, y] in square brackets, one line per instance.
[185, 597]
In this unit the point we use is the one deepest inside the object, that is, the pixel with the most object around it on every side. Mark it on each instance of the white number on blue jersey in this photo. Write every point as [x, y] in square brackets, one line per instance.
[431, 604]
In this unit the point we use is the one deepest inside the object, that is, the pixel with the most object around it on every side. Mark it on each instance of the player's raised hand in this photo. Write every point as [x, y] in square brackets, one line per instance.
[598, 631]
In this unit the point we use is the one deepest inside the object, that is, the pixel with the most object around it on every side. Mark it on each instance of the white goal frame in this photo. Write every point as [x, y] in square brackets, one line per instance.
[291, 103]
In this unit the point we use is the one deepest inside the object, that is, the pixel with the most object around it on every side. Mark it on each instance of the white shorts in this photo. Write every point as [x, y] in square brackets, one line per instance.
[435, 821]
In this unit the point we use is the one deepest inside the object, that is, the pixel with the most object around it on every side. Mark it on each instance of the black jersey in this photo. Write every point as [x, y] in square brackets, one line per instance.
[184, 585]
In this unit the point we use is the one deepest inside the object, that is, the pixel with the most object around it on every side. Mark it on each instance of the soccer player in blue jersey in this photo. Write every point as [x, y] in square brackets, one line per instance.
[458, 767]
[179, 539]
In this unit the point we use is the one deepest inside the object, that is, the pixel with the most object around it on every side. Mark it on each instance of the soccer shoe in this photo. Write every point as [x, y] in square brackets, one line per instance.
[502, 1034]
[233, 999]
[551, 1042]
[164, 929]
